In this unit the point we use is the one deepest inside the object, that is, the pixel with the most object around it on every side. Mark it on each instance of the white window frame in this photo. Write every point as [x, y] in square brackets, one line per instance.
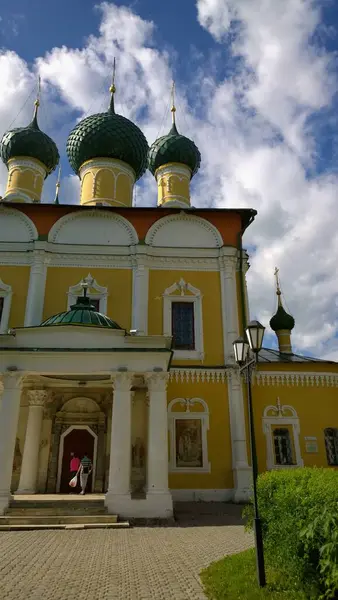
[188, 293]
[277, 417]
[5, 293]
[325, 430]
[188, 414]
[101, 293]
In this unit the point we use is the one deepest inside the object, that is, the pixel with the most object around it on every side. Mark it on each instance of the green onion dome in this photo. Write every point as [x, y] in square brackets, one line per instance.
[174, 148]
[282, 320]
[108, 135]
[81, 313]
[30, 141]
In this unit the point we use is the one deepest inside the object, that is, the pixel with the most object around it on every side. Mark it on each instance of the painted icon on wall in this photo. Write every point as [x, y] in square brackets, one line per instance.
[189, 452]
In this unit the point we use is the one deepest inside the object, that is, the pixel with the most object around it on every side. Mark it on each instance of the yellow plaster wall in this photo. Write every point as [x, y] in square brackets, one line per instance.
[316, 407]
[218, 436]
[209, 285]
[25, 179]
[172, 184]
[118, 282]
[108, 183]
[18, 278]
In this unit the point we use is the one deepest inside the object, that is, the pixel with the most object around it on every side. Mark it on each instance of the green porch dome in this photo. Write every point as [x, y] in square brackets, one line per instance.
[81, 313]
[30, 141]
[174, 148]
[108, 135]
[282, 320]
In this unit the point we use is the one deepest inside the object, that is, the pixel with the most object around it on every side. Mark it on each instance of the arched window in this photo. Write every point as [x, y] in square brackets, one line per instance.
[331, 444]
[283, 447]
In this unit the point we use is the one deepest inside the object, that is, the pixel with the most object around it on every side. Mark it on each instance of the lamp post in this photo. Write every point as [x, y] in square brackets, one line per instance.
[254, 339]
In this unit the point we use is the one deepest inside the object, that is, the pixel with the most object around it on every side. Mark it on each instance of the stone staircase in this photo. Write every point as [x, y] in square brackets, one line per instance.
[58, 512]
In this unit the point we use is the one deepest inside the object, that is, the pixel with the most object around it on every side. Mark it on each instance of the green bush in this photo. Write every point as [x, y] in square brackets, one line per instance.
[299, 512]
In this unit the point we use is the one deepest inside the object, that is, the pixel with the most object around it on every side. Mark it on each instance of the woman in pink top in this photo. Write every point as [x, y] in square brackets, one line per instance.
[74, 464]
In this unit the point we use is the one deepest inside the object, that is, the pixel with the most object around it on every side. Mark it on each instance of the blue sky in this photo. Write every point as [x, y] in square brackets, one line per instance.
[256, 90]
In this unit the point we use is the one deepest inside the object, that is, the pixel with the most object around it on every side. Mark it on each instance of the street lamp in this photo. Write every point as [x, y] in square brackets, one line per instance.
[254, 339]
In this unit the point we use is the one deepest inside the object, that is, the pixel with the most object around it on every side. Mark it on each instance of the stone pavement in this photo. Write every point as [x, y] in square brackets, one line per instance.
[141, 563]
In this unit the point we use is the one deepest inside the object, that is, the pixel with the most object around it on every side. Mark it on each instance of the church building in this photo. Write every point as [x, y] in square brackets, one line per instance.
[117, 326]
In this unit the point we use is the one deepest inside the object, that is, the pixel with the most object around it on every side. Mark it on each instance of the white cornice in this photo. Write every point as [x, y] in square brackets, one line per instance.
[295, 378]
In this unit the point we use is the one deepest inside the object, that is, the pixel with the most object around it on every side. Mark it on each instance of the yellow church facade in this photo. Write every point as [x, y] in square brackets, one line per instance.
[116, 333]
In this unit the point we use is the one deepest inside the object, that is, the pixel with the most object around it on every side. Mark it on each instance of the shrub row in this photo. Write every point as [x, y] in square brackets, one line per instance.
[299, 512]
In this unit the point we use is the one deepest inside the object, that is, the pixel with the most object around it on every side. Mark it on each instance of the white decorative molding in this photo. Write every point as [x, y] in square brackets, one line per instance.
[295, 378]
[174, 169]
[184, 231]
[93, 228]
[19, 194]
[62, 440]
[100, 293]
[6, 294]
[187, 293]
[205, 375]
[188, 414]
[16, 226]
[26, 164]
[277, 416]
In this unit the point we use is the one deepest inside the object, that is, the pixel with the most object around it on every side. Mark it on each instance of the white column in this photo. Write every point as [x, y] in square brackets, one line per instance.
[10, 387]
[241, 468]
[120, 445]
[157, 475]
[36, 289]
[140, 296]
[229, 304]
[30, 459]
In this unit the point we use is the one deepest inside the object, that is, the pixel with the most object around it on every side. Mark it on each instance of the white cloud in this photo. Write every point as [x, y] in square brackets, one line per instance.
[252, 129]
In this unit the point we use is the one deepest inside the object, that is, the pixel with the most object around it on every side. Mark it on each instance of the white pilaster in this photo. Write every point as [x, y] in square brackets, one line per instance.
[229, 305]
[241, 468]
[36, 289]
[10, 387]
[120, 445]
[140, 296]
[157, 476]
[30, 459]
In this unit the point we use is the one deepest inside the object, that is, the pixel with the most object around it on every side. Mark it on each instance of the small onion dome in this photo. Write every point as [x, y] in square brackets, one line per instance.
[81, 313]
[174, 148]
[30, 141]
[282, 320]
[108, 135]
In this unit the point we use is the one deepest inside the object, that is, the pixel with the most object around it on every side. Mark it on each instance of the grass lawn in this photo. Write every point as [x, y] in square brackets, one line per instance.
[234, 578]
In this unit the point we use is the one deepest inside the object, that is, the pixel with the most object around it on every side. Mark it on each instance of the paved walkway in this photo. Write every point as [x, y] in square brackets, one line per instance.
[141, 563]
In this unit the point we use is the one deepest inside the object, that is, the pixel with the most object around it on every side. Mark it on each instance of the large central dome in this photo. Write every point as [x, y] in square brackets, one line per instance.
[108, 135]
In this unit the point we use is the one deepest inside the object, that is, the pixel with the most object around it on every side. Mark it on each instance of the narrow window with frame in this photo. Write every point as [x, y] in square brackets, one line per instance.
[2, 302]
[283, 447]
[183, 325]
[94, 301]
[331, 445]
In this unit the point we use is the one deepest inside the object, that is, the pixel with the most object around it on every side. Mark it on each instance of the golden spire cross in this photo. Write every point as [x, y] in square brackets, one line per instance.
[56, 199]
[58, 177]
[276, 274]
[173, 107]
[112, 88]
[37, 101]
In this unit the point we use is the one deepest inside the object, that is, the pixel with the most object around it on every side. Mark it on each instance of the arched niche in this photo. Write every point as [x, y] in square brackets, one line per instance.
[183, 231]
[93, 228]
[15, 226]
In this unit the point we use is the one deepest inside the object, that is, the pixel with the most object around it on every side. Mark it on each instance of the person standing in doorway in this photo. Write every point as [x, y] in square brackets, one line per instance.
[74, 464]
[86, 468]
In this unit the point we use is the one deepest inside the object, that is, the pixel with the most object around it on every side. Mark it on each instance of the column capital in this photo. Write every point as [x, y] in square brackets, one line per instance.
[122, 382]
[38, 397]
[228, 265]
[157, 382]
[10, 380]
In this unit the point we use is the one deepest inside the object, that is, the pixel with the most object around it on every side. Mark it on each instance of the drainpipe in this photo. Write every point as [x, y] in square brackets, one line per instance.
[241, 279]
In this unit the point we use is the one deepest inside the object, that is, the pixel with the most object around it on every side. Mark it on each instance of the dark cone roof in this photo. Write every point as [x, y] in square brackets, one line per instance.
[176, 148]
[81, 313]
[30, 141]
[108, 135]
[282, 320]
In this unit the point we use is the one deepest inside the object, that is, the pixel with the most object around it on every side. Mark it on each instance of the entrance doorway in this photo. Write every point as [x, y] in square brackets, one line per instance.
[80, 440]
